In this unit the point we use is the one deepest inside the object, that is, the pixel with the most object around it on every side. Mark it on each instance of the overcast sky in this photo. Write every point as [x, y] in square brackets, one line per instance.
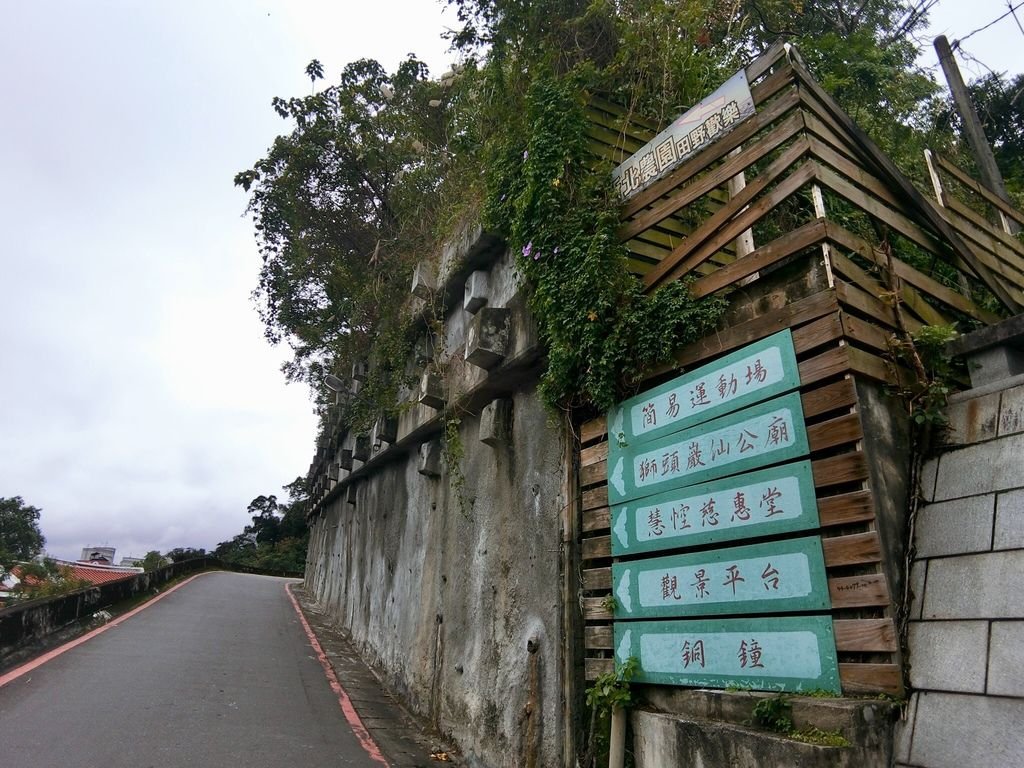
[139, 404]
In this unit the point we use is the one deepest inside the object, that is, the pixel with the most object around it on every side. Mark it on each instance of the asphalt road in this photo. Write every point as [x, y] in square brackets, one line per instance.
[218, 673]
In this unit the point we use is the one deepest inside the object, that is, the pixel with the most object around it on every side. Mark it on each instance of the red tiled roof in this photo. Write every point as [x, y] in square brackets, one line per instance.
[95, 574]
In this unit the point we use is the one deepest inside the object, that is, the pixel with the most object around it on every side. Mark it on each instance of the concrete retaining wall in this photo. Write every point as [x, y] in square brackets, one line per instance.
[967, 629]
[455, 597]
[458, 607]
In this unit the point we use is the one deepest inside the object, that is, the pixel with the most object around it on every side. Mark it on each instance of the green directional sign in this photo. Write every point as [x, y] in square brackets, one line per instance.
[754, 373]
[791, 653]
[763, 434]
[769, 501]
[760, 578]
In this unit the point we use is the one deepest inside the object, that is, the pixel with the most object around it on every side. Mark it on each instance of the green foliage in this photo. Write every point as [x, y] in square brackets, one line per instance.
[278, 536]
[20, 536]
[153, 561]
[179, 554]
[925, 352]
[378, 168]
[1000, 105]
[609, 692]
[774, 713]
[600, 330]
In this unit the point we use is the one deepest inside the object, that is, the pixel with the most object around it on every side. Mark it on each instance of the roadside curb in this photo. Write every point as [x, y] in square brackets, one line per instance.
[401, 737]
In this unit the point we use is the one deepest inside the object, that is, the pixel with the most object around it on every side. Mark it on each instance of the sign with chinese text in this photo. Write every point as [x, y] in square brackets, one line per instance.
[769, 501]
[767, 433]
[754, 373]
[761, 578]
[701, 125]
[790, 653]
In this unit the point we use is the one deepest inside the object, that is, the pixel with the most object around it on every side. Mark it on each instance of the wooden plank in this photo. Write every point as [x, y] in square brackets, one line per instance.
[866, 334]
[846, 508]
[832, 397]
[720, 175]
[766, 60]
[876, 288]
[839, 470]
[599, 519]
[739, 215]
[875, 159]
[594, 454]
[982, 230]
[596, 547]
[594, 429]
[872, 366]
[638, 122]
[831, 363]
[598, 638]
[855, 172]
[829, 434]
[979, 189]
[865, 635]
[597, 579]
[811, 92]
[781, 248]
[818, 333]
[595, 473]
[594, 668]
[877, 209]
[594, 498]
[852, 297]
[827, 132]
[789, 316]
[859, 591]
[854, 549]
[871, 678]
[594, 609]
[846, 239]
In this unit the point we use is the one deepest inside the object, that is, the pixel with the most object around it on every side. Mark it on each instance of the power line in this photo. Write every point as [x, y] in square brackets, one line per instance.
[1010, 12]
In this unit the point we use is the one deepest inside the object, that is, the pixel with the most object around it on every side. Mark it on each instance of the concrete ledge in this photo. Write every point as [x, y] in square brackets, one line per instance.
[662, 740]
[864, 722]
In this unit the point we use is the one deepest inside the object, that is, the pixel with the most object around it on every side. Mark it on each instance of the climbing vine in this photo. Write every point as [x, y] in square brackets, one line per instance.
[560, 215]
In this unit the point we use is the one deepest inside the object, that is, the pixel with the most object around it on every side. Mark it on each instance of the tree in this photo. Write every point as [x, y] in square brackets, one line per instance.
[185, 553]
[20, 537]
[152, 561]
[336, 211]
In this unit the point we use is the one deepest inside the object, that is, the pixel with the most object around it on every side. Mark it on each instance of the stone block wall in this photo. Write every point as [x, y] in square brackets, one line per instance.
[967, 622]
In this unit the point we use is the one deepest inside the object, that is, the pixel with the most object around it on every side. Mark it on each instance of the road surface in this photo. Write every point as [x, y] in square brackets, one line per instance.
[218, 673]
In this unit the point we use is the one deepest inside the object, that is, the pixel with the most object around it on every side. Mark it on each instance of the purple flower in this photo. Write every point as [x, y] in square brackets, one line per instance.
[526, 153]
[527, 250]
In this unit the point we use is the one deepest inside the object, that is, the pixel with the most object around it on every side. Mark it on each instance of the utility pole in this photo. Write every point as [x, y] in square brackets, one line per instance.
[986, 161]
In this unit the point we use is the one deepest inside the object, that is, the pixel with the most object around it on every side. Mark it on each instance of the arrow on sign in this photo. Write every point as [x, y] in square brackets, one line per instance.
[625, 646]
[616, 479]
[623, 591]
[620, 528]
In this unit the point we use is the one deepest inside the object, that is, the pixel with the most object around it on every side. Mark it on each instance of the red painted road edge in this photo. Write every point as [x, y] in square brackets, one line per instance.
[27, 667]
[354, 722]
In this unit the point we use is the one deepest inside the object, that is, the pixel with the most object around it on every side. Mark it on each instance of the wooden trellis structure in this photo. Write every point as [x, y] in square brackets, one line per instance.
[824, 236]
